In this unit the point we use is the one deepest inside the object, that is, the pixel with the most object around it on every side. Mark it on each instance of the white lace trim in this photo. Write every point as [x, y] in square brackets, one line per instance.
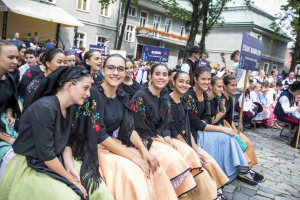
[177, 181]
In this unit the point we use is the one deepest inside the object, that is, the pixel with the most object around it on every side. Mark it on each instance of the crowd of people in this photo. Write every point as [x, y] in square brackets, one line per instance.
[106, 127]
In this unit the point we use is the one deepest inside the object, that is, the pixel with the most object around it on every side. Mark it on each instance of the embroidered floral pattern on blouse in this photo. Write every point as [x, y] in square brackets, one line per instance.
[137, 106]
[28, 74]
[190, 104]
[86, 110]
[33, 86]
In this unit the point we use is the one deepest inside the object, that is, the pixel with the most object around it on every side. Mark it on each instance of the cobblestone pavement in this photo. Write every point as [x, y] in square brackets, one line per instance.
[277, 161]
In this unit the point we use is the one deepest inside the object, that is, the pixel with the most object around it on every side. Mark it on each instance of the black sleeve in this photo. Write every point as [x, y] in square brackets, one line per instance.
[43, 130]
[191, 107]
[207, 115]
[22, 87]
[142, 125]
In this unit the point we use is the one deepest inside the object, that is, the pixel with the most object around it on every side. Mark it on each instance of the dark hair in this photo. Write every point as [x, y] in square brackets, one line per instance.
[227, 79]
[54, 41]
[113, 55]
[88, 56]
[178, 72]
[74, 81]
[265, 84]
[20, 47]
[278, 84]
[49, 55]
[39, 51]
[273, 71]
[171, 71]
[156, 65]
[5, 43]
[251, 81]
[69, 54]
[200, 70]
[78, 62]
[214, 79]
[235, 53]
[129, 60]
[31, 51]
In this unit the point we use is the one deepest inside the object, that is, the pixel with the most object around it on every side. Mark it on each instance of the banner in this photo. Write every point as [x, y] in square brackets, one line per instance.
[97, 48]
[251, 52]
[203, 63]
[158, 54]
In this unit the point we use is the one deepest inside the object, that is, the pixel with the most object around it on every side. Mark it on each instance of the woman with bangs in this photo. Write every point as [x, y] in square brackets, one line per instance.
[218, 141]
[107, 118]
[212, 176]
[153, 120]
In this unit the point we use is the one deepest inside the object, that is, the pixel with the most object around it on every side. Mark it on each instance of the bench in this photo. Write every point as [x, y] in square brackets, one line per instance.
[290, 129]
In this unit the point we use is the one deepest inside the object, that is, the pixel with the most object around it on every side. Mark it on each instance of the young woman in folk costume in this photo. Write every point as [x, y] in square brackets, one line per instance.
[153, 120]
[107, 116]
[222, 114]
[92, 62]
[129, 85]
[8, 102]
[44, 166]
[218, 141]
[52, 60]
[212, 176]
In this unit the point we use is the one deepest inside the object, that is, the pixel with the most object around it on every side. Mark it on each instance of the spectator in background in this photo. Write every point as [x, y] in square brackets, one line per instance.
[59, 47]
[28, 40]
[288, 81]
[31, 60]
[23, 45]
[137, 73]
[51, 45]
[80, 52]
[36, 38]
[72, 50]
[40, 53]
[178, 66]
[70, 59]
[273, 77]
[16, 41]
[21, 58]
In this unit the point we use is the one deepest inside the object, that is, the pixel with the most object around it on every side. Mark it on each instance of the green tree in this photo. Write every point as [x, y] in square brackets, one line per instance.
[289, 18]
[105, 3]
[207, 12]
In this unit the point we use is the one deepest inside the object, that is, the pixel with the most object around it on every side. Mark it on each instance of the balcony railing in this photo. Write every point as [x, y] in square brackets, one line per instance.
[160, 35]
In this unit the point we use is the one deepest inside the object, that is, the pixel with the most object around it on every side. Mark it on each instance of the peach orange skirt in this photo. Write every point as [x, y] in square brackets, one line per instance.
[126, 180]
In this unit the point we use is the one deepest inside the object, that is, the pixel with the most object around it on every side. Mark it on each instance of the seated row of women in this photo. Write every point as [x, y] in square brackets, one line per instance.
[154, 146]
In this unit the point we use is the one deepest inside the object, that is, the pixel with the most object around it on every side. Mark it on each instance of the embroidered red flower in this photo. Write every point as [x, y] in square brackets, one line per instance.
[133, 107]
[36, 86]
[98, 127]
[29, 74]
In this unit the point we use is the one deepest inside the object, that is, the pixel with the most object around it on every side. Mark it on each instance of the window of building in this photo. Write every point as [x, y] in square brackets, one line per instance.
[274, 66]
[80, 40]
[143, 18]
[49, 1]
[156, 24]
[129, 33]
[101, 40]
[83, 5]
[131, 10]
[182, 31]
[168, 24]
[103, 11]
[266, 67]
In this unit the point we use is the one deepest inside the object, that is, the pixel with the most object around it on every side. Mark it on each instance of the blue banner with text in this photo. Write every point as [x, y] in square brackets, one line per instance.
[158, 54]
[251, 52]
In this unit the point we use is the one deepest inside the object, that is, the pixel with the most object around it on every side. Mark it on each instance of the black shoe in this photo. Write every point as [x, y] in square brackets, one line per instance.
[257, 177]
[245, 179]
[293, 144]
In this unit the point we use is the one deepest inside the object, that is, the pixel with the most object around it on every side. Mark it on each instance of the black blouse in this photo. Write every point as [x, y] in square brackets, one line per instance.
[8, 97]
[130, 89]
[113, 116]
[94, 116]
[152, 114]
[44, 136]
[27, 78]
[199, 111]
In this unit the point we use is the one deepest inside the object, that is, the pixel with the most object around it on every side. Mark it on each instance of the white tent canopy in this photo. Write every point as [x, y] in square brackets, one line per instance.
[40, 11]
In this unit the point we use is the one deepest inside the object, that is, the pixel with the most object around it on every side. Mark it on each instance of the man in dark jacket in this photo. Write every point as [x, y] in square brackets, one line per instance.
[190, 64]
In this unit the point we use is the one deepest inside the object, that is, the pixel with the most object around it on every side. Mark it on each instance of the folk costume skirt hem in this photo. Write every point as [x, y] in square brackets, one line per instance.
[22, 182]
